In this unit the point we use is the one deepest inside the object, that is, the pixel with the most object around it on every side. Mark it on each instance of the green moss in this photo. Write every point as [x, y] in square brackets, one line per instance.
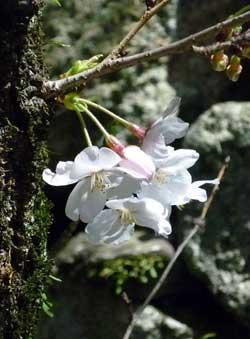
[140, 268]
[25, 210]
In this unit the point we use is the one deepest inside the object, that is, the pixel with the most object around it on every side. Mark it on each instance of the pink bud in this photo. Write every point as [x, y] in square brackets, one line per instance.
[115, 145]
[138, 131]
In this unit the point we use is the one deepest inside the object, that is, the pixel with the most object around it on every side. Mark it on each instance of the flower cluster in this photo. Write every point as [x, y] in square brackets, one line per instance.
[118, 187]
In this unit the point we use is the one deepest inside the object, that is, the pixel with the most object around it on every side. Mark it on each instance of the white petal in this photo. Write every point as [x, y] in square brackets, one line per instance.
[119, 233]
[199, 183]
[172, 191]
[180, 159]
[172, 109]
[101, 225]
[177, 185]
[116, 204]
[125, 189]
[62, 175]
[154, 145]
[197, 193]
[72, 209]
[85, 163]
[164, 227]
[92, 159]
[173, 128]
[146, 212]
[108, 158]
[91, 204]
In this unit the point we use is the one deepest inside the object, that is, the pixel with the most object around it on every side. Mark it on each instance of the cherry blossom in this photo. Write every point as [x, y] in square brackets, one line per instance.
[92, 170]
[119, 186]
[116, 224]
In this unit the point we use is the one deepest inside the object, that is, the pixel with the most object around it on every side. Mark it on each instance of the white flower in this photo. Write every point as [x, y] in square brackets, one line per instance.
[116, 224]
[164, 131]
[174, 188]
[92, 170]
[137, 163]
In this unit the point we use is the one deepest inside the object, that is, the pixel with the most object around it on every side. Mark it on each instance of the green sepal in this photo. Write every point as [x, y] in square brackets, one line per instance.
[83, 65]
[73, 102]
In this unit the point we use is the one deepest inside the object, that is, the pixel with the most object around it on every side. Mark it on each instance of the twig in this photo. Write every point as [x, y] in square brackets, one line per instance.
[239, 40]
[178, 252]
[118, 51]
[54, 88]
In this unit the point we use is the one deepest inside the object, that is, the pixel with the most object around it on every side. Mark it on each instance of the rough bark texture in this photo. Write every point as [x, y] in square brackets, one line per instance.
[24, 210]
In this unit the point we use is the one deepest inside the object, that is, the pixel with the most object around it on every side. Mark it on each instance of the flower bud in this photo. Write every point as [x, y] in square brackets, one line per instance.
[237, 30]
[246, 52]
[138, 131]
[219, 61]
[224, 34]
[115, 144]
[234, 69]
[150, 3]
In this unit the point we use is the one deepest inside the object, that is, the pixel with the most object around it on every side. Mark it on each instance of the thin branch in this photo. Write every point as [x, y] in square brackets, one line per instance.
[54, 88]
[200, 221]
[239, 40]
[148, 14]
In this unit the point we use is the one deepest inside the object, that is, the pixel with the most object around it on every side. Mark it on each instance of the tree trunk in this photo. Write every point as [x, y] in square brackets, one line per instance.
[24, 209]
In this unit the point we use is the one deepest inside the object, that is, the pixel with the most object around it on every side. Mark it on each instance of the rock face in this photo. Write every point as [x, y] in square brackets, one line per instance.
[219, 255]
[87, 308]
[190, 74]
[79, 249]
[156, 325]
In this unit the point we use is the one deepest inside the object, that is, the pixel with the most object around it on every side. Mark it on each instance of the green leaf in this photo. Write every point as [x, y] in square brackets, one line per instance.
[57, 2]
[52, 277]
[46, 305]
[153, 272]
[209, 335]
[57, 43]
[144, 280]
[47, 310]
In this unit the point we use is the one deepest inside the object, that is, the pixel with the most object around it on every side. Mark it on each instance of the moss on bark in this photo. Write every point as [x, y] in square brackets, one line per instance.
[24, 209]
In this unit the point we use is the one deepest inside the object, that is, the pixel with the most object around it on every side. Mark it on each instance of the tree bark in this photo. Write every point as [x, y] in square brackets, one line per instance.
[24, 209]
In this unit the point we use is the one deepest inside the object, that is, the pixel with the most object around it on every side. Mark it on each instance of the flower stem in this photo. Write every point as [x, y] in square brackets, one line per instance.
[96, 121]
[108, 112]
[84, 128]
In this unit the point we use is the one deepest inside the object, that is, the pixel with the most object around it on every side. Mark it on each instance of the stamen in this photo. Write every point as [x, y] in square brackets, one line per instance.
[127, 217]
[99, 182]
[160, 177]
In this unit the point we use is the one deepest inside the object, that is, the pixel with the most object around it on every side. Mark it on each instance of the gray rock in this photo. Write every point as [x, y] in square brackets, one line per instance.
[79, 249]
[219, 254]
[153, 324]
[88, 308]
